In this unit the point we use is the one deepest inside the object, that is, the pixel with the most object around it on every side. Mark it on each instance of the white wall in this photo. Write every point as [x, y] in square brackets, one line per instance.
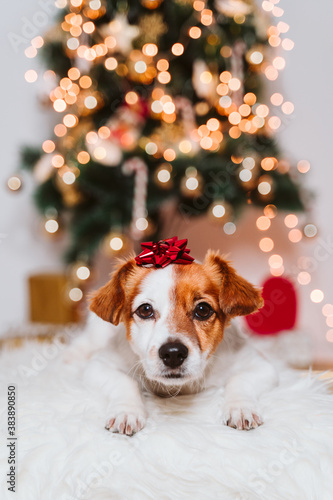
[306, 81]
[23, 248]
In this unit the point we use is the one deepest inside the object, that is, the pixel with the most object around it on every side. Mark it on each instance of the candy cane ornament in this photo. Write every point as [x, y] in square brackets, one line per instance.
[237, 70]
[137, 166]
[185, 109]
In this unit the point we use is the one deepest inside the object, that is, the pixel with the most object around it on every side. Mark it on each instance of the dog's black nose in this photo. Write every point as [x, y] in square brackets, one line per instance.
[173, 354]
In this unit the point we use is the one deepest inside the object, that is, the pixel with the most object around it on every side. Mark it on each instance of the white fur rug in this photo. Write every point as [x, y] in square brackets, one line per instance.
[184, 452]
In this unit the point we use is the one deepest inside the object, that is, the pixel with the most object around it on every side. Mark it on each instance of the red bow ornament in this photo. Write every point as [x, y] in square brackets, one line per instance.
[164, 252]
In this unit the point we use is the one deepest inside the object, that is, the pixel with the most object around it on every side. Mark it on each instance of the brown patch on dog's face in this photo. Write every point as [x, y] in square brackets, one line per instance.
[214, 283]
[113, 301]
[132, 288]
[194, 286]
[237, 296]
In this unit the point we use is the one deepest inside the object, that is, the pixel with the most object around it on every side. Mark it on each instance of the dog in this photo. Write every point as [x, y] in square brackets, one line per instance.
[172, 334]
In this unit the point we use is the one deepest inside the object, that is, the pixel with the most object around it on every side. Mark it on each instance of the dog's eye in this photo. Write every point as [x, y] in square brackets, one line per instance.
[203, 311]
[145, 311]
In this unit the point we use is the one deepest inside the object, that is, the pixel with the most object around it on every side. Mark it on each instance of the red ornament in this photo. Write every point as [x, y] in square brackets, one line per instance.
[280, 308]
[164, 252]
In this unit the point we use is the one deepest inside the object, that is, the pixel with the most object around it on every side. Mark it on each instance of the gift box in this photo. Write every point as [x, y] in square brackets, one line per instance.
[50, 300]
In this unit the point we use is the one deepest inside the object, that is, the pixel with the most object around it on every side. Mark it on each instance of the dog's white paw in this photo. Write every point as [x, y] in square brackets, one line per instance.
[242, 417]
[126, 422]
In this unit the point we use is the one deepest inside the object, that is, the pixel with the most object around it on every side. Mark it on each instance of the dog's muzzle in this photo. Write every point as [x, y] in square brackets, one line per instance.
[173, 354]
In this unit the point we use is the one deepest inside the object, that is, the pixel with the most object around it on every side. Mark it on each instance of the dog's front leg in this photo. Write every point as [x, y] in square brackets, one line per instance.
[125, 412]
[241, 408]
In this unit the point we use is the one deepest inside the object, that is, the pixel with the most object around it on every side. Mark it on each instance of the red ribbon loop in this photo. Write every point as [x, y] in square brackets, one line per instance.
[164, 252]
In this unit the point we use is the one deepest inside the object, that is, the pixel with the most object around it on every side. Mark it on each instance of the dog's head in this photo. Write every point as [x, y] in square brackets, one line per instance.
[175, 316]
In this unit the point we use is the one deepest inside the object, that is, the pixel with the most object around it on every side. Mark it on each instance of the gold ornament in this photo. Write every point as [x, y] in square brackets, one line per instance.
[152, 28]
[70, 194]
[167, 135]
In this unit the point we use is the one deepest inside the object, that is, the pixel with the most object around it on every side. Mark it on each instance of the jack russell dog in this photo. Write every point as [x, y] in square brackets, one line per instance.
[173, 335]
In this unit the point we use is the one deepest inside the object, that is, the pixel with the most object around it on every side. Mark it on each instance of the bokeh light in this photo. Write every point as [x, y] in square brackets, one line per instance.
[291, 220]
[83, 272]
[263, 223]
[75, 294]
[51, 226]
[304, 278]
[116, 243]
[317, 296]
[266, 244]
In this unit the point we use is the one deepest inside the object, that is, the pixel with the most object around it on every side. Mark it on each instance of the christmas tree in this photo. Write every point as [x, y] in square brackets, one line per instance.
[157, 100]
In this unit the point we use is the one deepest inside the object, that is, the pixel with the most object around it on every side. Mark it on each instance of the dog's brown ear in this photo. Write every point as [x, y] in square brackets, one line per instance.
[237, 296]
[109, 301]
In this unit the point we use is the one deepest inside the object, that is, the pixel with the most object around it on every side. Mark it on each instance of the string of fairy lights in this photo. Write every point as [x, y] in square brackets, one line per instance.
[75, 96]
